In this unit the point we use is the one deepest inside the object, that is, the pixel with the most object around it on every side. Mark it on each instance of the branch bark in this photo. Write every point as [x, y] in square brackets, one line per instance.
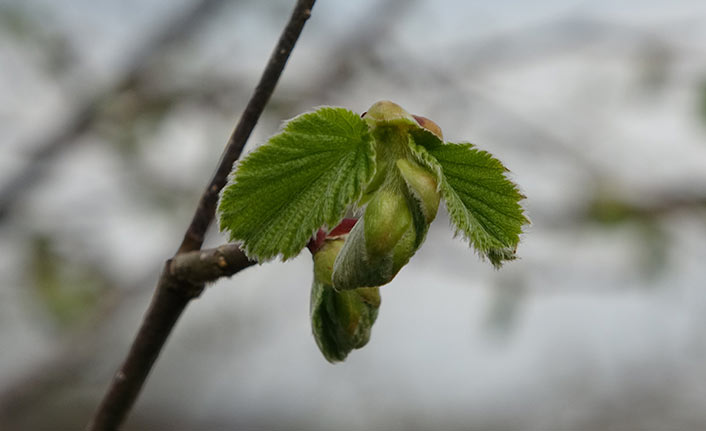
[183, 277]
[203, 266]
[193, 239]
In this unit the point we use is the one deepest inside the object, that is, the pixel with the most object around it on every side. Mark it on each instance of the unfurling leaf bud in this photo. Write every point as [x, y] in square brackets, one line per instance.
[388, 165]
[423, 186]
[387, 218]
[385, 111]
[382, 242]
[341, 320]
[324, 258]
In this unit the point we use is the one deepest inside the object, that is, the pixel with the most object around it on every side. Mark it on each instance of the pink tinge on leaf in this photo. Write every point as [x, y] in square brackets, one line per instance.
[343, 228]
[429, 125]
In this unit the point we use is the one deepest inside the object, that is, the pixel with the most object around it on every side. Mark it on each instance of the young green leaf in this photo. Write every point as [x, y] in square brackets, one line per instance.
[302, 179]
[482, 203]
[340, 320]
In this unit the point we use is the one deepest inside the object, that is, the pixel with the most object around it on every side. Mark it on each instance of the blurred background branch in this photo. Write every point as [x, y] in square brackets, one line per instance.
[597, 108]
[88, 111]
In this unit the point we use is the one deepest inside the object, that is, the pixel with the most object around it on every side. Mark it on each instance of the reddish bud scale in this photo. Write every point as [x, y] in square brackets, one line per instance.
[429, 125]
[343, 228]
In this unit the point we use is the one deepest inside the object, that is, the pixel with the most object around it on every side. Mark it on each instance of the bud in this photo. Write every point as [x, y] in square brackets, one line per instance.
[423, 186]
[324, 258]
[341, 320]
[384, 239]
[356, 267]
[387, 218]
[400, 202]
[385, 111]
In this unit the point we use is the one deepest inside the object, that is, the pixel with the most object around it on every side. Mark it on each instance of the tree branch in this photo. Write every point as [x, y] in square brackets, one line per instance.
[193, 239]
[203, 266]
[178, 283]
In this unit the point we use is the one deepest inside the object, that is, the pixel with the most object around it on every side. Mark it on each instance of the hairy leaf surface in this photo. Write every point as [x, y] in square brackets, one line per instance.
[482, 203]
[300, 180]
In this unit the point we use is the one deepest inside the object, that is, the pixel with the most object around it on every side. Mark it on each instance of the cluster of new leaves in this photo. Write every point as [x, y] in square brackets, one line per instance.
[310, 174]
[392, 167]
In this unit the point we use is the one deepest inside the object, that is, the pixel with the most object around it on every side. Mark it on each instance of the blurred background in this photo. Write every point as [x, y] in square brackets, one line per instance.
[113, 115]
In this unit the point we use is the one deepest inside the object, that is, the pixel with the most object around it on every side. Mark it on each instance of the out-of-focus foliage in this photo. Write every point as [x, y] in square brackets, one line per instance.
[56, 53]
[68, 291]
[701, 92]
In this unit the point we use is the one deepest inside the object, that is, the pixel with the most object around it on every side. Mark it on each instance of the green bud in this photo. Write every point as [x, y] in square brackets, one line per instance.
[341, 320]
[400, 202]
[387, 218]
[356, 267]
[423, 186]
[404, 250]
[384, 239]
[324, 259]
[385, 111]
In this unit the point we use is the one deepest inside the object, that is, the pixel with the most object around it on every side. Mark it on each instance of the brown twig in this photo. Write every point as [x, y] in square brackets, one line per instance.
[207, 205]
[203, 266]
[176, 288]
